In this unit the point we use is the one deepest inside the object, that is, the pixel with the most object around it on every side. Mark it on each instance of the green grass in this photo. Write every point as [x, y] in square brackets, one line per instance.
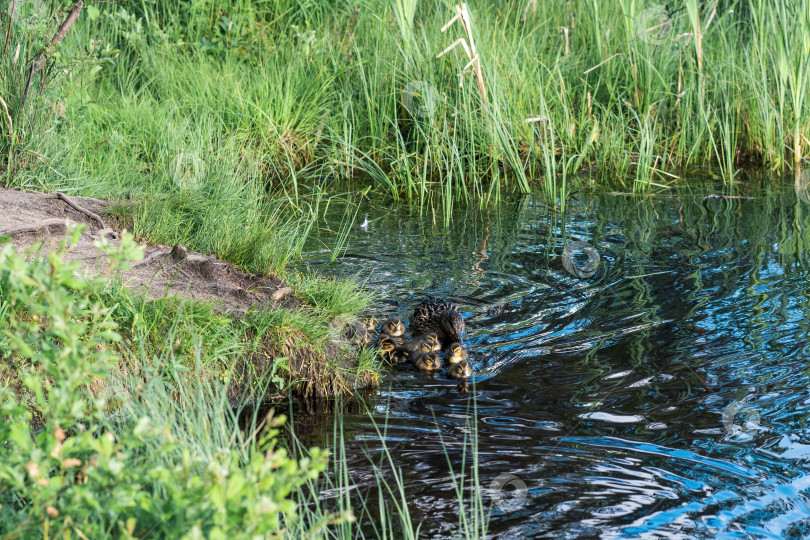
[331, 506]
[270, 99]
[111, 435]
[228, 126]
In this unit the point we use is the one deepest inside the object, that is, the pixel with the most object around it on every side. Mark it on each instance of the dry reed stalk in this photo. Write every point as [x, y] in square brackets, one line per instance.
[463, 15]
[8, 118]
[10, 10]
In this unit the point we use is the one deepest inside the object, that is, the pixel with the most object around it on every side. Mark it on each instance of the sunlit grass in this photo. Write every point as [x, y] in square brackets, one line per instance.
[287, 96]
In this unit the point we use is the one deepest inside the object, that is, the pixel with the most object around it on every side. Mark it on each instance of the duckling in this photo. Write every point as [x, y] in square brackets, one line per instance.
[427, 362]
[371, 323]
[439, 316]
[417, 346]
[392, 327]
[398, 341]
[357, 333]
[430, 338]
[455, 353]
[460, 370]
[400, 356]
[387, 350]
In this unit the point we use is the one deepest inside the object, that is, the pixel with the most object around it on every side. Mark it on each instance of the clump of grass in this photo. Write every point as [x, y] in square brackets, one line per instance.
[331, 297]
[34, 78]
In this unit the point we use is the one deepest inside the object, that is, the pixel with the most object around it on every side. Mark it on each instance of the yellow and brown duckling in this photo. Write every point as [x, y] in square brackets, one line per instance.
[357, 333]
[392, 327]
[387, 351]
[430, 338]
[458, 359]
[428, 362]
[455, 353]
[398, 341]
[371, 323]
[459, 370]
[417, 346]
[439, 316]
[400, 356]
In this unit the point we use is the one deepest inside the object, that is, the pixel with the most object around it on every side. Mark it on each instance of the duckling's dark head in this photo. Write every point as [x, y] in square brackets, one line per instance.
[452, 325]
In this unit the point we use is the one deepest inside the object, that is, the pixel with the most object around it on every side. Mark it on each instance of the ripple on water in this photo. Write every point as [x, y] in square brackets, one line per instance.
[666, 396]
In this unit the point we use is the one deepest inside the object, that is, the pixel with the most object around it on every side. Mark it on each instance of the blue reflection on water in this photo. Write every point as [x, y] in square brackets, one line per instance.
[665, 396]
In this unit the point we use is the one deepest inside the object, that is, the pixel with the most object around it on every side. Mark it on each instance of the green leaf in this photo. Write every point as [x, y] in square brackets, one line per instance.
[217, 496]
[5, 239]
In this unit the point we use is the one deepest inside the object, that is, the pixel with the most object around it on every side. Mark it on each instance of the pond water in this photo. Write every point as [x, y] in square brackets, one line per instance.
[668, 394]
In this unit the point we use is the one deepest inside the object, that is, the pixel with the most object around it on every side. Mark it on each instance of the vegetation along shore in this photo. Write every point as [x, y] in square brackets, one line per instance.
[193, 146]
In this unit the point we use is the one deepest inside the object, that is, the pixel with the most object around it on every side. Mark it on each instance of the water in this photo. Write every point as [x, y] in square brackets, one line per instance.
[666, 395]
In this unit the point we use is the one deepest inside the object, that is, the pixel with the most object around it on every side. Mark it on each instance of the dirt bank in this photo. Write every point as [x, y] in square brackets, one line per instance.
[37, 222]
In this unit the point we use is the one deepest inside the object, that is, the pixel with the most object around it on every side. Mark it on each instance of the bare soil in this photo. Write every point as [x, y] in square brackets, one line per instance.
[39, 220]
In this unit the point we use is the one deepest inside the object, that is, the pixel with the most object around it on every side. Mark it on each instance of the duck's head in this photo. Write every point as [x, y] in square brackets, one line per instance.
[424, 347]
[455, 353]
[428, 362]
[371, 323]
[452, 324]
[460, 370]
[393, 327]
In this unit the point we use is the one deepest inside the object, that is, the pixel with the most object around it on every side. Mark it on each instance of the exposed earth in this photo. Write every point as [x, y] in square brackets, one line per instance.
[34, 218]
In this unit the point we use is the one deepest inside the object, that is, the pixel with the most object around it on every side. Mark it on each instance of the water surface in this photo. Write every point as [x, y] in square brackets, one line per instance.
[666, 395]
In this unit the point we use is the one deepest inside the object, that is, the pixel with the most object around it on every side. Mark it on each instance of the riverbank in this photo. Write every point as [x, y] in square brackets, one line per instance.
[126, 377]
[231, 128]
[278, 332]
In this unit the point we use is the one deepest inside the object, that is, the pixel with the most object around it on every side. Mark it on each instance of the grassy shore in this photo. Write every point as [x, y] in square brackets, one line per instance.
[294, 94]
[284, 97]
[118, 418]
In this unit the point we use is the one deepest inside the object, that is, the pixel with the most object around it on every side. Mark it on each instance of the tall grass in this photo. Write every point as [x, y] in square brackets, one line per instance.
[108, 432]
[294, 93]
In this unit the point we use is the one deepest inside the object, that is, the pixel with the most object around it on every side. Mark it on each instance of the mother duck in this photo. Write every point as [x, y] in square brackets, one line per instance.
[439, 316]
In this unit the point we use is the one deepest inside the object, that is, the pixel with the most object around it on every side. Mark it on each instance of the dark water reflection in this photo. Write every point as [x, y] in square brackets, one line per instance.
[666, 395]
